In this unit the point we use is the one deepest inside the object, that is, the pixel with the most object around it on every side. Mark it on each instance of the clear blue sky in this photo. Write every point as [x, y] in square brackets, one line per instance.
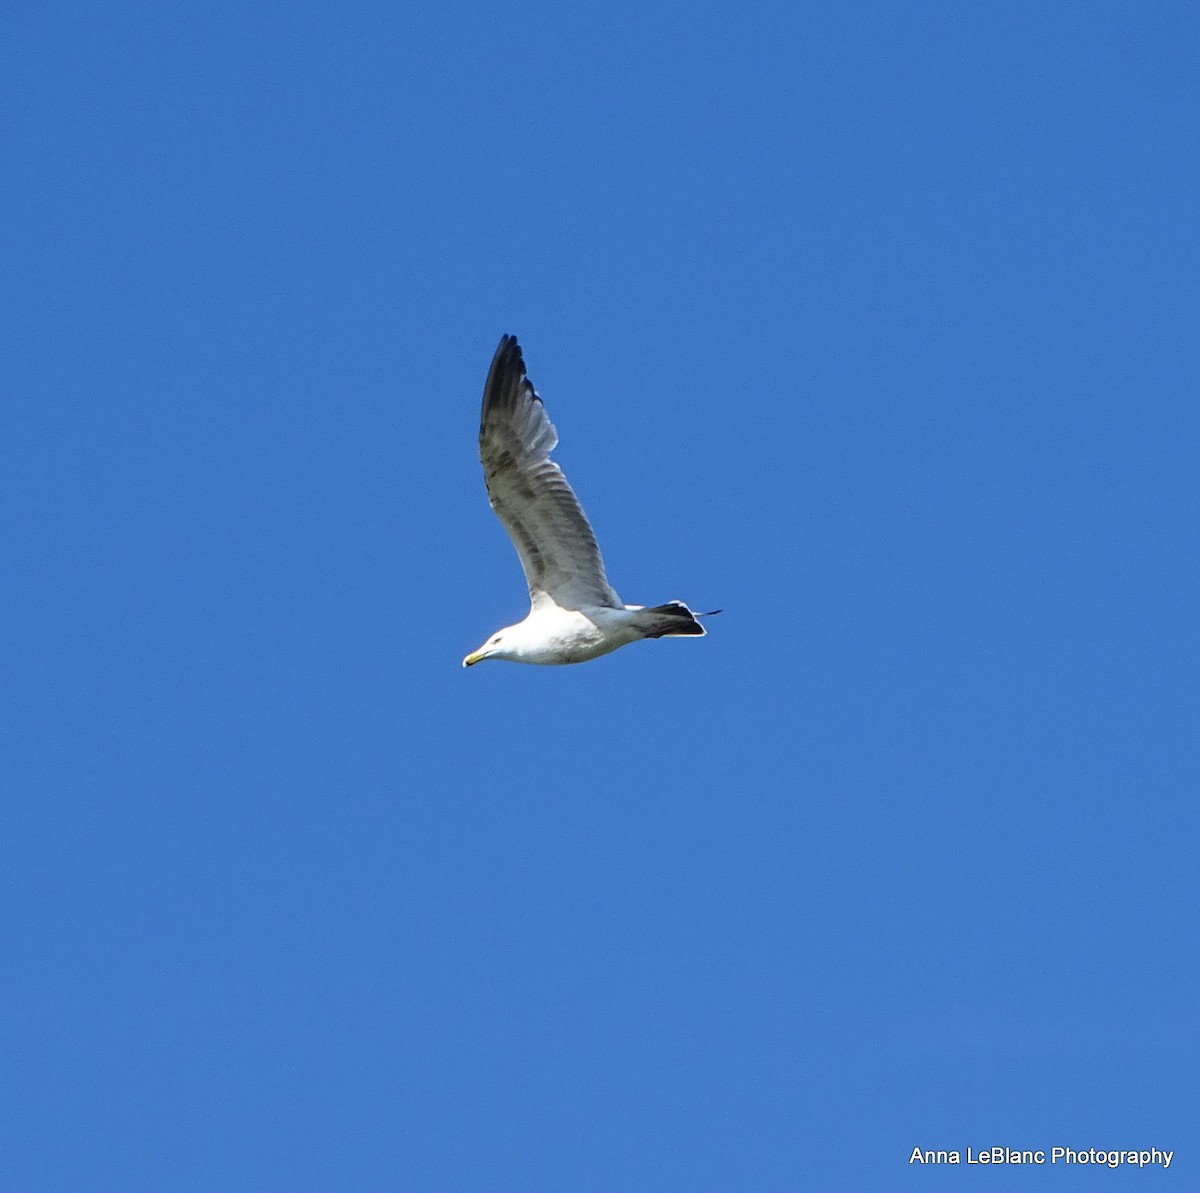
[873, 324]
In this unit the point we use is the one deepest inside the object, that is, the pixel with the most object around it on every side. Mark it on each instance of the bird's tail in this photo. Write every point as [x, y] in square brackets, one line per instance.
[674, 619]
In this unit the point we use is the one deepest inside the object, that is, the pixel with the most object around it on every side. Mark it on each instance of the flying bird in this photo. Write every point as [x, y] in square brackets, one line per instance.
[574, 614]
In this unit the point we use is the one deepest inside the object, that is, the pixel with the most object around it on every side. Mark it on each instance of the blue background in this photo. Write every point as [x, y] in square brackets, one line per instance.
[874, 324]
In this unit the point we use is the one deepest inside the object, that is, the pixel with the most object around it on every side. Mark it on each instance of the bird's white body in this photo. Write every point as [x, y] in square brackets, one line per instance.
[550, 635]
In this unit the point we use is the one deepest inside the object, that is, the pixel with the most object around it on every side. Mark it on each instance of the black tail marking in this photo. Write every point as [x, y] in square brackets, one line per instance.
[675, 620]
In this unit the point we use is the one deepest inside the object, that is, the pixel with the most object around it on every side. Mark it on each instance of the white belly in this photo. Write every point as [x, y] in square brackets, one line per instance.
[558, 636]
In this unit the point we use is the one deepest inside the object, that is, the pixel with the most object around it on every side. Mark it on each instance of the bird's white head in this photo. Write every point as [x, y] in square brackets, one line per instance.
[501, 645]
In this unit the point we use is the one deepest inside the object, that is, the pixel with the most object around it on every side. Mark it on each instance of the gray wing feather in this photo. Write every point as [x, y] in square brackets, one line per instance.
[529, 493]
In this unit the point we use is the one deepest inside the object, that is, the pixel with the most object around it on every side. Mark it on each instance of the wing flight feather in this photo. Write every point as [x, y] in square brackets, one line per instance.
[529, 493]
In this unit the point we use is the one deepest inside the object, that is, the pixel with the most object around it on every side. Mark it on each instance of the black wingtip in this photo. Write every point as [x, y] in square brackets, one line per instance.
[506, 378]
[509, 349]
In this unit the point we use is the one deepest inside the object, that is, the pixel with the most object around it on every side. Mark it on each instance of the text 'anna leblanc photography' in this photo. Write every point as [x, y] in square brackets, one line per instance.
[1107, 1158]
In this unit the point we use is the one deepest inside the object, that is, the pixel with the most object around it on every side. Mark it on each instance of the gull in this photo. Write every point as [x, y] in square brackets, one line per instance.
[574, 614]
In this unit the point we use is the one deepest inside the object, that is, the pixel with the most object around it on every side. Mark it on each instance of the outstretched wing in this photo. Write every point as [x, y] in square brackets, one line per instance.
[531, 496]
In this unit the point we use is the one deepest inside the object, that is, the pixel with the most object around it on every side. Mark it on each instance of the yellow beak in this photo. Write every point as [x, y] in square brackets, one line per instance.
[474, 657]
